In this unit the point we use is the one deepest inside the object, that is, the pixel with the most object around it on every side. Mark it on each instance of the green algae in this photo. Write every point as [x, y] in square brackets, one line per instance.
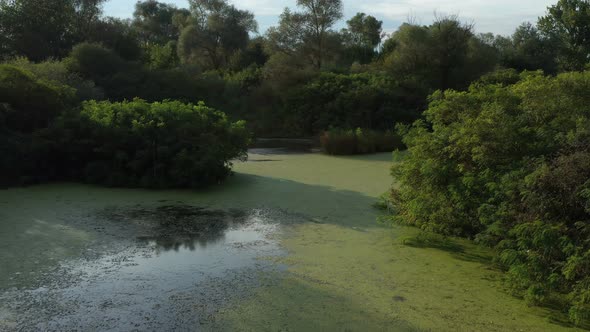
[345, 271]
[348, 274]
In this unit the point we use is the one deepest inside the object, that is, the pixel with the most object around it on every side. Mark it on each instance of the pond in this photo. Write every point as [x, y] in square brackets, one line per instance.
[290, 243]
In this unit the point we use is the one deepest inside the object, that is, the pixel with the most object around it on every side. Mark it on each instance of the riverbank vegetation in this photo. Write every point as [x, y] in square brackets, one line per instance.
[506, 162]
[359, 141]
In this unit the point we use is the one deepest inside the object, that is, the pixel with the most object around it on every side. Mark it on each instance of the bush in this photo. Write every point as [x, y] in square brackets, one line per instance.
[95, 62]
[359, 141]
[57, 72]
[161, 145]
[30, 103]
[509, 165]
[364, 100]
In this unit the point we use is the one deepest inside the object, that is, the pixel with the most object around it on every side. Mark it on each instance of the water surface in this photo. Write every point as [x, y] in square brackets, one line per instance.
[290, 243]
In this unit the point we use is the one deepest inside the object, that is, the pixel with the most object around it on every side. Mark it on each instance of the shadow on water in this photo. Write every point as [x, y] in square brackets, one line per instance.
[319, 204]
[42, 225]
[459, 249]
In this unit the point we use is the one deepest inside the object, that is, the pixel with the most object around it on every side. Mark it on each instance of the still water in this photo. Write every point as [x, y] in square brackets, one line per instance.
[290, 243]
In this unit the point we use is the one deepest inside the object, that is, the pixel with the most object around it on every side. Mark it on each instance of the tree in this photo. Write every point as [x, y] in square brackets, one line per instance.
[527, 49]
[88, 13]
[117, 35]
[362, 36]
[306, 33]
[289, 37]
[568, 22]
[449, 48]
[444, 55]
[39, 29]
[409, 56]
[155, 22]
[320, 16]
[214, 32]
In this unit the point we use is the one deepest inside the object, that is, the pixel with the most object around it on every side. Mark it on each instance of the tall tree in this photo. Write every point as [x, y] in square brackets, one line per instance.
[39, 29]
[362, 36]
[306, 33]
[568, 22]
[527, 49]
[444, 55]
[290, 36]
[214, 32]
[155, 22]
[450, 44]
[321, 16]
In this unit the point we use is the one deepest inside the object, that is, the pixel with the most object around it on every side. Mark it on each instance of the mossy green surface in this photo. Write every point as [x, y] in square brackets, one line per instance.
[345, 271]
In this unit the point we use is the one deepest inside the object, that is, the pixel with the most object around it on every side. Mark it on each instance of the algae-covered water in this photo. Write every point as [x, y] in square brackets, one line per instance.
[290, 243]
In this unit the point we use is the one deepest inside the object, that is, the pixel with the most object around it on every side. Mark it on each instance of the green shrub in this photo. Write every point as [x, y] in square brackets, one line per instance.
[95, 62]
[57, 72]
[30, 103]
[366, 100]
[509, 165]
[339, 142]
[359, 141]
[161, 145]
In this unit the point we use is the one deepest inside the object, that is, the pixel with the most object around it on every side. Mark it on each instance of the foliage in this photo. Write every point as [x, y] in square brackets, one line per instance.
[39, 29]
[214, 33]
[117, 35]
[124, 80]
[365, 100]
[161, 145]
[156, 23]
[130, 144]
[58, 73]
[307, 33]
[443, 55]
[29, 103]
[509, 165]
[162, 56]
[528, 49]
[359, 141]
[361, 38]
[568, 23]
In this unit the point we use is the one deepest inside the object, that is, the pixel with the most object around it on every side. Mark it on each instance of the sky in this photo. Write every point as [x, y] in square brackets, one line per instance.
[497, 16]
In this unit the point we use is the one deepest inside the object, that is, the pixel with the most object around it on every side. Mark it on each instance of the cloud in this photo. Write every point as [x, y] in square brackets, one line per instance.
[263, 7]
[499, 16]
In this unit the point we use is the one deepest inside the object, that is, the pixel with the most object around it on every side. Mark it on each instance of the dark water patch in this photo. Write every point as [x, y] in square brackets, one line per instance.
[398, 298]
[263, 160]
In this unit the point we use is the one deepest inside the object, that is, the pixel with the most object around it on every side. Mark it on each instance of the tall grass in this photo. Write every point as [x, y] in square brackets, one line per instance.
[359, 141]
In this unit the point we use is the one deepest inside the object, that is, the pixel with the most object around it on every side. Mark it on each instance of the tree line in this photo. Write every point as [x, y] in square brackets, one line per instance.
[213, 51]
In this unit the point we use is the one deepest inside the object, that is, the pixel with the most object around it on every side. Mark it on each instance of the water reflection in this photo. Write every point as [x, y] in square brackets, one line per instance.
[188, 264]
[176, 227]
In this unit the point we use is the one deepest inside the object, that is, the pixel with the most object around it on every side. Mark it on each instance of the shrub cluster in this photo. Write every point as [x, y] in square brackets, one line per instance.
[45, 136]
[359, 141]
[161, 145]
[509, 165]
[366, 100]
